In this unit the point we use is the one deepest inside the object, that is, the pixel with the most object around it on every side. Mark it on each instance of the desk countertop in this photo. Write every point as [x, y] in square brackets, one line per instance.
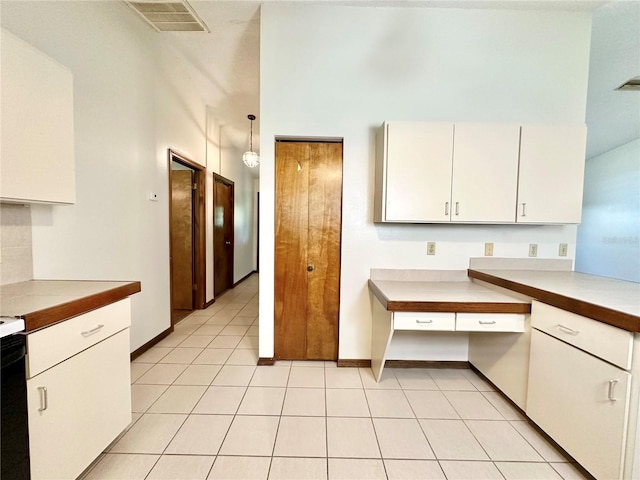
[44, 302]
[444, 296]
[611, 301]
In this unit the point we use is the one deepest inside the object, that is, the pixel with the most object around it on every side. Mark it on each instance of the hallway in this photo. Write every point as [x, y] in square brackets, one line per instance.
[204, 410]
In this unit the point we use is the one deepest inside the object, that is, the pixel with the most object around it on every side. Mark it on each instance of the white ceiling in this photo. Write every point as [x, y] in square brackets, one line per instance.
[225, 63]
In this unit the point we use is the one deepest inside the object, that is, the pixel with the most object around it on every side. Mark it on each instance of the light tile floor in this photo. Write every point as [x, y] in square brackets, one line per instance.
[202, 409]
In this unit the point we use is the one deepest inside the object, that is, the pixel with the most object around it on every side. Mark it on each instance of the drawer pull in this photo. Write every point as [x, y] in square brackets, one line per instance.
[487, 322]
[568, 330]
[424, 321]
[88, 333]
[446, 209]
[44, 399]
[612, 387]
[457, 208]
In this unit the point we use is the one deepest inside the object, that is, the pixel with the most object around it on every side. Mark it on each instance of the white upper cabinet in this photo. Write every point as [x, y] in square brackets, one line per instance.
[37, 153]
[418, 171]
[485, 172]
[479, 173]
[552, 159]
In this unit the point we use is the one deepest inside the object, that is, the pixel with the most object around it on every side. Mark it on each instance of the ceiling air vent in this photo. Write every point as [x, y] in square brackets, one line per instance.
[632, 84]
[176, 16]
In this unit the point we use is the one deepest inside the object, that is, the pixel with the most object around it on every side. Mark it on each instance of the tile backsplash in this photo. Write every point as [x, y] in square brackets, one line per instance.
[16, 259]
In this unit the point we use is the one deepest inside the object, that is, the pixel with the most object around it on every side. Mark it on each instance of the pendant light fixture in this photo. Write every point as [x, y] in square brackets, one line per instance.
[251, 158]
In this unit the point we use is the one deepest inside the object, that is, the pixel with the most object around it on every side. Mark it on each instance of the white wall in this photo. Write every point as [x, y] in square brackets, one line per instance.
[342, 71]
[609, 236]
[132, 102]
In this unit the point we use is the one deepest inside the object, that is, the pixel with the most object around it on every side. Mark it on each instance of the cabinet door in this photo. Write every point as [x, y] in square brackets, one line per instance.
[37, 159]
[551, 173]
[485, 172]
[569, 397]
[418, 171]
[86, 405]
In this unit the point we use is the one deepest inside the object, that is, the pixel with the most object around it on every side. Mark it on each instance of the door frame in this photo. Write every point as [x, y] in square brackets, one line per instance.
[199, 227]
[230, 183]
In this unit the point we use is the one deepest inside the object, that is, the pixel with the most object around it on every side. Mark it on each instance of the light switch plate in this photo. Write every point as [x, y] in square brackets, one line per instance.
[562, 250]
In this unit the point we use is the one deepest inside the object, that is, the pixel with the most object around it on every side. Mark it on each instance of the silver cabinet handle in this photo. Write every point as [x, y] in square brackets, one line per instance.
[44, 400]
[446, 209]
[457, 208]
[568, 330]
[487, 322]
[612, 387]
[524, 211]
[88, 333]
[227, 243]
[424, 321]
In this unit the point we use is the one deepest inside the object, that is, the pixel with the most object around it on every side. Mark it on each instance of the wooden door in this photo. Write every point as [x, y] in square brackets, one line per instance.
[182, 239]
[307, 249]
[222, 234]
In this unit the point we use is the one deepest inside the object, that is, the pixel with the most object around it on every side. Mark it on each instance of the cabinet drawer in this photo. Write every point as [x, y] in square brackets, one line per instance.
[441, 321]
[490, 322]
[54, 344]
[605, 341]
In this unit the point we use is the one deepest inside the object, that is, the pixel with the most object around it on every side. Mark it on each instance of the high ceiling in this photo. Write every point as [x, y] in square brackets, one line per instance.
[225, 63]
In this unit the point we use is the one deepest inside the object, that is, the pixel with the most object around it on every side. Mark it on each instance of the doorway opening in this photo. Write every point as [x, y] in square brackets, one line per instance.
[186, 235]
[308, 231]
[223, 241]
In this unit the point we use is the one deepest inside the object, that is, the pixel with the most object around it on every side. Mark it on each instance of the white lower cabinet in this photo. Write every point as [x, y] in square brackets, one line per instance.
[78, 407]
[581, 401]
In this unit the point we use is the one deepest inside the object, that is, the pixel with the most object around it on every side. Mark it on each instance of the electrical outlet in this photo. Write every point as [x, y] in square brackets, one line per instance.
[431, 248]
[533, 249]
[488, 249]
[562, 250]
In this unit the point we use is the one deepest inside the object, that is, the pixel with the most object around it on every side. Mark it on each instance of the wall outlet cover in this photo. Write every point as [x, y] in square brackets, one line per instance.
[533, 249]
[431, 248]
[488, 249]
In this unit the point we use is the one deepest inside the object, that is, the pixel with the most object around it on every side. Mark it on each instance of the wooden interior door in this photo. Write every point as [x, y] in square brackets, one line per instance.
[182, 240]
[307, 250]
[222, 234]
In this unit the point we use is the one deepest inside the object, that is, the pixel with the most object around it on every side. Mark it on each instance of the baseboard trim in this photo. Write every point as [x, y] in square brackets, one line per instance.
[139, 351]
[266, 361]
[347, 362]
[427, 364]
[244, 278]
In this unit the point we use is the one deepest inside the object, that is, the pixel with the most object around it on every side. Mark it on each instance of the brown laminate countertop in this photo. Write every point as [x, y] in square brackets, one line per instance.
[44, 302]
[444, 296]
[611, 301]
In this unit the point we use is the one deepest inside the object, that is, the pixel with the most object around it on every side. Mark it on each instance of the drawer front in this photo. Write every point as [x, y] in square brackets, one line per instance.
[605, 341]
[439, 321]
[490, 322]
[54, 344]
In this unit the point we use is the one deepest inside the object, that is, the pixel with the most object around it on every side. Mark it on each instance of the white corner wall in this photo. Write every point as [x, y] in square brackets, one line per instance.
[132, 101]
[333, 71]
[226, 160]
[609, 236]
